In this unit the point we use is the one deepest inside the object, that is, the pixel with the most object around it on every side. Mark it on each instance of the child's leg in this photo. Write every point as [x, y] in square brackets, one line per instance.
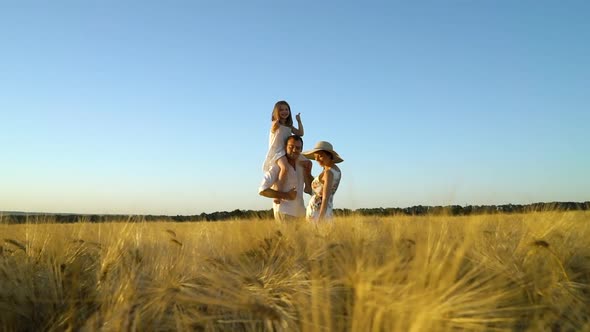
[283, 164]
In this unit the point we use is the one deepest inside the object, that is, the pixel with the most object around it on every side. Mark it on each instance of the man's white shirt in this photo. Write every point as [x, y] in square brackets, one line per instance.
[295, 179]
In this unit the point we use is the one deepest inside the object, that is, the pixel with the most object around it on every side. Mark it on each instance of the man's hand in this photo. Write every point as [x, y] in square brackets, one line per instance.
[290, 195]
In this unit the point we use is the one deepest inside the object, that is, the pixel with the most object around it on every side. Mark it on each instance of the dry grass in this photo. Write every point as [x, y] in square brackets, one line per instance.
[526, 272]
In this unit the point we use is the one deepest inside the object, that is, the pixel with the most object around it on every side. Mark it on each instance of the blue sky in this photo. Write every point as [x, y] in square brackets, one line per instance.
[163, 107]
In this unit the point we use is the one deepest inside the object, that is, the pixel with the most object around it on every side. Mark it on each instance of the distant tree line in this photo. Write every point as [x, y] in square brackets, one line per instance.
[419, 210]
[457, 210]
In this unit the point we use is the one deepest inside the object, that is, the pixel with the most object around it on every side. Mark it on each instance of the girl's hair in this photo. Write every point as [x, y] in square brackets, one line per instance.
[275, 113]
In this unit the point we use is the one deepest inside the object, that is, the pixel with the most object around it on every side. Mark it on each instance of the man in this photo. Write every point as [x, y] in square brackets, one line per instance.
[290, 203]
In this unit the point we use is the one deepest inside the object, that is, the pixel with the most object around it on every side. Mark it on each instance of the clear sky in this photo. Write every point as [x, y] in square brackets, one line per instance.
[163, 107]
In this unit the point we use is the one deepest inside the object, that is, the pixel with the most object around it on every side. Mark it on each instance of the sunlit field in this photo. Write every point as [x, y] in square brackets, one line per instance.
[502, 272]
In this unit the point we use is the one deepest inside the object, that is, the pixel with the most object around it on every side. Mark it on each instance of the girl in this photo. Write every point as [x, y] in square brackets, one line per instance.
[281, 128]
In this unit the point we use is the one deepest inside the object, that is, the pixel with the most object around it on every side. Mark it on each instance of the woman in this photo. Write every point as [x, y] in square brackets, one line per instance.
[324, 186]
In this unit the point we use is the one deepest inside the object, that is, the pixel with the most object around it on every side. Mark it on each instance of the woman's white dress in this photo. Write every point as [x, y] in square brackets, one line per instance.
[276, 146]
[315, 203]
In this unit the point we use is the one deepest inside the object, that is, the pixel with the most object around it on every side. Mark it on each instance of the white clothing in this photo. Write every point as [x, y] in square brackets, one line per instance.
[315, 203]
[295, 179]
[276, 146]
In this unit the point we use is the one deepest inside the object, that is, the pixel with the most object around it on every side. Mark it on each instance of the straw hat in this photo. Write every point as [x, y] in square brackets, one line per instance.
[323, 146]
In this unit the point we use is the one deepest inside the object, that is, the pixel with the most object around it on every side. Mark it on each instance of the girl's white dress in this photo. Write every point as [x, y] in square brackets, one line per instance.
[315, 203]
[276, 146]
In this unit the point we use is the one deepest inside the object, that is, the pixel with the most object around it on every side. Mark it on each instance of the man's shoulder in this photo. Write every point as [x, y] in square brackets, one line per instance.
[303, 161]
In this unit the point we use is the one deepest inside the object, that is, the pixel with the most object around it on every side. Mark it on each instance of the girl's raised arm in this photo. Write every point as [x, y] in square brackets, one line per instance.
[298, 131]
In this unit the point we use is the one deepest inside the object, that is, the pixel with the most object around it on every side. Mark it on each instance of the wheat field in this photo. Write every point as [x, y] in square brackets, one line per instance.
[500, 272]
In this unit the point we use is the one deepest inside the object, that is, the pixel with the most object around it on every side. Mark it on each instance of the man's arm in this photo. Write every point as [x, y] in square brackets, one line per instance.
[270, 178]
[271, 193]
[307, 177]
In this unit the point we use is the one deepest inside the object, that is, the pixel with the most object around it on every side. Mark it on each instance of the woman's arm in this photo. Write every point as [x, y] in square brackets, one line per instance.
[299, 124]
[326, 192]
